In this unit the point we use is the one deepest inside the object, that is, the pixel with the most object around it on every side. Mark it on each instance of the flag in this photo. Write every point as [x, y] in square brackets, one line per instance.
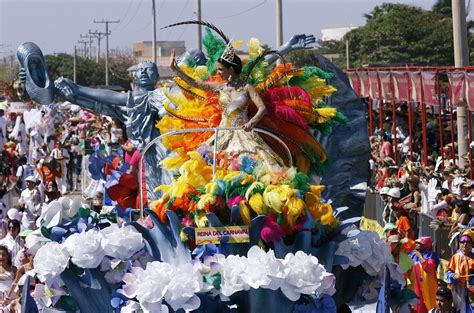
[430, 96]
[400, 86]
[355, 82]
[385, 85]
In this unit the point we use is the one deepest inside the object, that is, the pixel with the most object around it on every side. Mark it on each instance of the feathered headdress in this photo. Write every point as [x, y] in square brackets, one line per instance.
[228, 53]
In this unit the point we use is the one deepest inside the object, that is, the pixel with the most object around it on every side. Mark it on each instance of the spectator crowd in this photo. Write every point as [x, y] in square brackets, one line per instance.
[412, 193]
[42, 155]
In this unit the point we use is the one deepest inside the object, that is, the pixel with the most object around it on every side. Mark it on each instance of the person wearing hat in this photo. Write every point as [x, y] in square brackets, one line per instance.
[399, 257]
[405, 230]
[423, 276]
[393, 195]
[30, 200]
[444, 301]
[460, 274]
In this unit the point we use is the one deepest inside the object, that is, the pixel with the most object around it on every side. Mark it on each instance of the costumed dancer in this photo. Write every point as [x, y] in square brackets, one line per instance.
[423, 274]
[460, 275]
[254, 174]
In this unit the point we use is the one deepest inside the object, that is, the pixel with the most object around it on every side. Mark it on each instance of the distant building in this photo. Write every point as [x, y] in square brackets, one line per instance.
[335, 33]
[143, 51]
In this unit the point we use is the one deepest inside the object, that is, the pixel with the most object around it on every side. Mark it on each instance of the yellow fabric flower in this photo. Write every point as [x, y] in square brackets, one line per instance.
[317, 189]
[257, 204]
[206, 199]
[172, 163]
[201, 220]
[275, 197]
[232, 175]
[212, 188]
[255, 47]
[294, 208]
[245, 212]
[247, 179]
[271, 198]
[254, 186]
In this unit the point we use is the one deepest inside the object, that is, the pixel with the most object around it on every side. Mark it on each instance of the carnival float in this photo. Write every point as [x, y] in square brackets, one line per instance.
[255, 176]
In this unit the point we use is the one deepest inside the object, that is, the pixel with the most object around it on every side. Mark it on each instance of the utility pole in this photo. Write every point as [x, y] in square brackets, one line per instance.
[154, 29]
[98, 36]
[84, 52]
[279, 23]
[74, 73]
[347, 55]
[107, 33]
[87, 36]
[461, 59]
[199, 27]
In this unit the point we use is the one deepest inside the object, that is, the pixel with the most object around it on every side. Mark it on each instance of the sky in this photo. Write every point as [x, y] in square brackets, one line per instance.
[56, 25]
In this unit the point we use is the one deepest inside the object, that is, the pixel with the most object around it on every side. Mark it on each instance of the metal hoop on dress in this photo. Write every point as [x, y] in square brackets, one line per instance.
[196, 130]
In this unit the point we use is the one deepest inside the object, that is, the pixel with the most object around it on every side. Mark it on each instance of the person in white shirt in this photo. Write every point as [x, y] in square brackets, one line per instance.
[30, 199]
[24, 170]
[12, 240]
[61, 156]
[3, 130]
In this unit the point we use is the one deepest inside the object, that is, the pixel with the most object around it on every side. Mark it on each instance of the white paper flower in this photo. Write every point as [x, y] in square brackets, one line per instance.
[182, 289]
[34, 241]
[53, 213]
[148, 285]
[232, 270]
[304, 275]
[381, 254]
[50, 261]
[121, 243]
[364, 248]
[85, 249]
[265, 270]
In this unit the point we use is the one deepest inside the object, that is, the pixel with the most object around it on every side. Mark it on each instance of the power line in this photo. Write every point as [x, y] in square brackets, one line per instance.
[157, 14]
[133, 16]
[185, 27]
[177, 18]
[107, 33]
[237, 14]
[123, 18]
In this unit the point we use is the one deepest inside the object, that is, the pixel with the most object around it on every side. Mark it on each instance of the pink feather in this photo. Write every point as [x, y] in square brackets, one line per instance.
[271, 230]
[287, 92]
[290, 115]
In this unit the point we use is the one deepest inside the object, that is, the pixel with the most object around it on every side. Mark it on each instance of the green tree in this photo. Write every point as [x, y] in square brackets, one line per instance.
[305, 57]
[397, 34]
[89, 73]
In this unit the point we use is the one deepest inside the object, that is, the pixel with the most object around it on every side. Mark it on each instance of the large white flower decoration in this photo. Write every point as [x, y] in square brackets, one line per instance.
[364, 248]
[182, 289]
[53, 213]
[304, 275]
[232, 270]
[34, 241]
[265, 270]
[149, 285]
[121, 243]
[50, 261]
[85, 249]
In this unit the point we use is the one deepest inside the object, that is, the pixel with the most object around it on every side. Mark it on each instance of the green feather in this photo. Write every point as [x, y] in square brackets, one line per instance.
[214, 48]
[280, 219]
[301, 182]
